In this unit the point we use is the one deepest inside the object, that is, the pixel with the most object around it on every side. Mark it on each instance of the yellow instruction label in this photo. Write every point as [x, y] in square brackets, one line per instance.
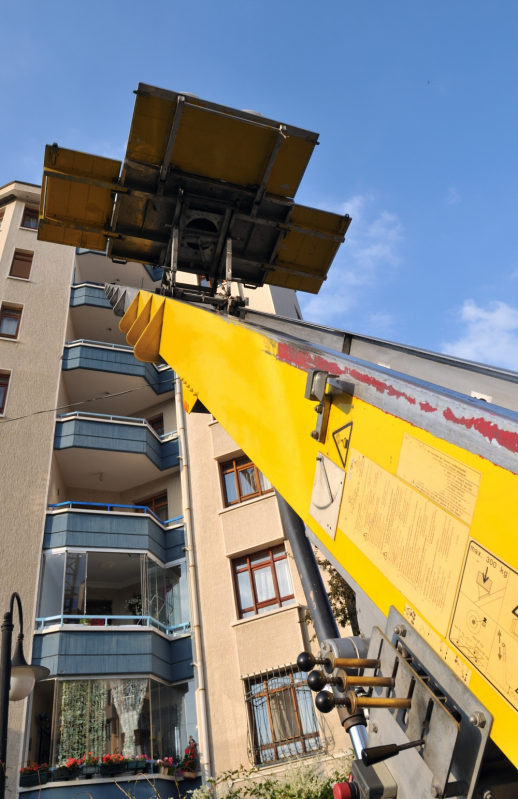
[484, 627]
[441, 648]
[418, 546]
[445, 480]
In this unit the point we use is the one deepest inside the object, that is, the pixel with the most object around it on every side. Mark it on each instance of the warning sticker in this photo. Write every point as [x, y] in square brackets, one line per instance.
[418, 546]
[445, 480]
[484, 627]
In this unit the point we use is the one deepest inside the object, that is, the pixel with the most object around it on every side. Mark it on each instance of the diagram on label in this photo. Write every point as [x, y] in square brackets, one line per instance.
[485, 621]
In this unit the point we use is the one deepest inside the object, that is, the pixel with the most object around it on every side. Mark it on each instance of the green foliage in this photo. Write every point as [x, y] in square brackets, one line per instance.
[302, 779]
[341, 597]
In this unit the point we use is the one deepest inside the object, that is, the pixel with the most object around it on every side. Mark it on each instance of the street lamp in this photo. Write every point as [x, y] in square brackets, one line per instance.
[17, 679]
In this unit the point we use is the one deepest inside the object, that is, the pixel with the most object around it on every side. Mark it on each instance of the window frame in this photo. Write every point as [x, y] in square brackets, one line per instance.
[2, 215]
[153, 421]
[22, 253]
[5, 375]
[152, 499]
[296, 684]
[31, 209]
[275, 603]
[246, 464]
[8, 307]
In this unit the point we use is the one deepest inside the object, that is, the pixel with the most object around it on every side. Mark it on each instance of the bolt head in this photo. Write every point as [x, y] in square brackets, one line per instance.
[314, 434]
[487, 794]
[400, 630]
[478, 719]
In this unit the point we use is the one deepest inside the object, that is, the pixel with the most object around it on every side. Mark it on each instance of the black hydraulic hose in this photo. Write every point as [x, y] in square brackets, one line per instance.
[310, 577]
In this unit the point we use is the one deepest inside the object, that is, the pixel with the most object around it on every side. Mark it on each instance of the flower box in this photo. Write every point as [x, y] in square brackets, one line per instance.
[31, 780]
[111, 769]
[63, 773]
[89, 770]
[188, 775]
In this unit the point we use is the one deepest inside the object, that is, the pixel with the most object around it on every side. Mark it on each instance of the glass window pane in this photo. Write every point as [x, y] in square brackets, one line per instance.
[51, 595]
[241, 563]
[173, 718]
[75, 584]
[265, 483]
[9, 325]
[259, 557]
[130, 698]
[287, 602]
[268, 608]
[230, 487]
[283, 577]
[245, 590]
[279, 551]
[156, 591]
[247, 481]
[176, 610]
[264, 584]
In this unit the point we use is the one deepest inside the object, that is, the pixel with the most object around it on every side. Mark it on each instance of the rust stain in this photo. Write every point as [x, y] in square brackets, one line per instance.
[490, 430]
[306, 361]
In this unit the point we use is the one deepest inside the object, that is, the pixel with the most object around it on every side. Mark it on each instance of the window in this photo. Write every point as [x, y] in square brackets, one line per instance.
[263, 582]
[281, 717]
[132, 716]
[30, 218]
[205, 282]
[158, 505]
[4, 386]
[2, 214]
[157, 423]
[22, 264]
[100, 589]
[10, 321]
[242, 480]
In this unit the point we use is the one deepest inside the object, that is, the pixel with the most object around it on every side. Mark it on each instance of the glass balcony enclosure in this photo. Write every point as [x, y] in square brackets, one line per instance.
[134, 716]
[99, 589]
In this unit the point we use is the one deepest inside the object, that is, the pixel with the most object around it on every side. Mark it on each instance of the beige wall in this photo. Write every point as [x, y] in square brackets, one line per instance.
[234, 647]
[34, 360]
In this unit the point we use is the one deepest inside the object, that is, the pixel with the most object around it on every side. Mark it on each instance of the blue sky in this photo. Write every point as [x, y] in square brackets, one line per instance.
[415, 103]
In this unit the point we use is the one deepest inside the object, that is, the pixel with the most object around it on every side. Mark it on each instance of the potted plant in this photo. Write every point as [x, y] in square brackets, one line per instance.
[67, 770]
[166, 766]
[32, 775]
[90, 765]
[134, 605]
[190, 760]
[112, 765]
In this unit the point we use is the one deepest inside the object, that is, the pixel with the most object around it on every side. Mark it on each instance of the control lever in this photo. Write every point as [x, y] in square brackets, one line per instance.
[317, 680]
[306, 662]
[375, 754]
[325, 702]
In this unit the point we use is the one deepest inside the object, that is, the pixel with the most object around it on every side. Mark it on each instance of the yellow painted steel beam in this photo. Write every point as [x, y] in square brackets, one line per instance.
[434, 454]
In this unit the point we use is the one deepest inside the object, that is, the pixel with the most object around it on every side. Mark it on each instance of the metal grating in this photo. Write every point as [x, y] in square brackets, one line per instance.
[281, 718]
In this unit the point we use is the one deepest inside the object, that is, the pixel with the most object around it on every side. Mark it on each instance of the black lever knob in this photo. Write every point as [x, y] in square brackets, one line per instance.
[375, 754]
[317, 680]
[325, 702]
[306, 661]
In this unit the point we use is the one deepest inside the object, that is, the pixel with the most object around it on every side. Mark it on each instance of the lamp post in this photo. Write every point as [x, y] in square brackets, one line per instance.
[17, 679]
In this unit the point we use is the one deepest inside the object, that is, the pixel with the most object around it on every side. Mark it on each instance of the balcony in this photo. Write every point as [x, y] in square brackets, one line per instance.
[92, 524]
[107, 590]
[112, 652]
[94, 266]
[118, 451]
[92, 315]
[97, 369]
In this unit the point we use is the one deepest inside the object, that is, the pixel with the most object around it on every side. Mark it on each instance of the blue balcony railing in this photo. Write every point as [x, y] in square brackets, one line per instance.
[111, 507]
[132, 621]
[106, 417]
[101, 356]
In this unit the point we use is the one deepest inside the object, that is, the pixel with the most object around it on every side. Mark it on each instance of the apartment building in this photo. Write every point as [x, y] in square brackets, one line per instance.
[148, 551]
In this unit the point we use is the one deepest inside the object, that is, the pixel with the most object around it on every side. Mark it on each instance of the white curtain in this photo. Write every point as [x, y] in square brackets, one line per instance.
[128, 697]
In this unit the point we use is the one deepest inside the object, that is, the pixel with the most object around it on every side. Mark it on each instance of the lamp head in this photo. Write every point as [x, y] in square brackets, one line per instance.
[23, 676]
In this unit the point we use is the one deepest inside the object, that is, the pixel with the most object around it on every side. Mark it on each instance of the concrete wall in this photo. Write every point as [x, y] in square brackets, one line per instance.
[34, 360]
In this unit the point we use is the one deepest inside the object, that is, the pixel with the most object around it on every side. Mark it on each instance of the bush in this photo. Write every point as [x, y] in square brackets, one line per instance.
[302, 779]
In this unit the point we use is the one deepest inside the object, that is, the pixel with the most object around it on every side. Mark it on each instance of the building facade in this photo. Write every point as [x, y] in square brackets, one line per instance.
[148, 551]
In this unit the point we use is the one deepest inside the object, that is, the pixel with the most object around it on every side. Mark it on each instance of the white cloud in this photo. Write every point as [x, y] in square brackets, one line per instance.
[371, 248]
[453, 196]
[490, 335]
